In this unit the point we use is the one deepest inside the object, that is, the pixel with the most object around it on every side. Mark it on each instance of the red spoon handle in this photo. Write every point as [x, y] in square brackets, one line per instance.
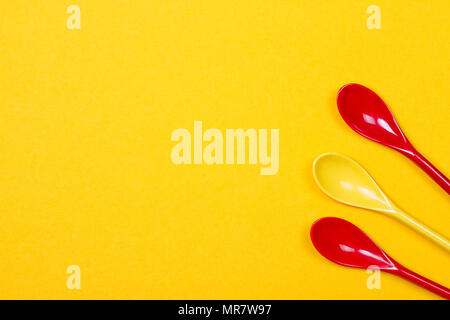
[434, 173]
[423, 282]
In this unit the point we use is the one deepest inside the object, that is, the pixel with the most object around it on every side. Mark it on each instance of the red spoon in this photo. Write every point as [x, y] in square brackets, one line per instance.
[365, 112]
[344, 243]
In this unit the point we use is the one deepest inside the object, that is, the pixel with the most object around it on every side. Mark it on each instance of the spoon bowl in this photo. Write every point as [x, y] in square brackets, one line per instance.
[366, 113]
[353, 249]
[346, 181]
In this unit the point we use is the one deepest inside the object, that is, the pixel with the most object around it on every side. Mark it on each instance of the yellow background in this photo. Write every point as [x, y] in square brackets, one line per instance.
[85, 123]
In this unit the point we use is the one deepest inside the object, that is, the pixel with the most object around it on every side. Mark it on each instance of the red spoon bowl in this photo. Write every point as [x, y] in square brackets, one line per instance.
[343, 243]
[367, 114]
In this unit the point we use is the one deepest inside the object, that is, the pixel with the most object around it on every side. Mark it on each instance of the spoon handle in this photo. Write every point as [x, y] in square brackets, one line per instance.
[422, 281]
[423, 229]
[431, 170]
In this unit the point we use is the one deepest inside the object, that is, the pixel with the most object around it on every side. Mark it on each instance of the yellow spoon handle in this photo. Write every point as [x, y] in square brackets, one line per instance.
[421, 228]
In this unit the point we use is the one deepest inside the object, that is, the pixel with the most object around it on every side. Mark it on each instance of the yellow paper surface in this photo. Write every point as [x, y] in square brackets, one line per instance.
[86, 118]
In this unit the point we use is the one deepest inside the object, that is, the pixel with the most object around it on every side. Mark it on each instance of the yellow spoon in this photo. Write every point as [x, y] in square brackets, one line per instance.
[346, 181]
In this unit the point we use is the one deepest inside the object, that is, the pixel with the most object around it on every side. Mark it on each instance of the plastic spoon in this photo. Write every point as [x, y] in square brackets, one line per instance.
[346, 181]
[365, 112]
[344, 243]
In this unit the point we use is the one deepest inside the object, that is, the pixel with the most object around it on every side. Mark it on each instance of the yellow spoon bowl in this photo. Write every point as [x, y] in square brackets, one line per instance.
[344, 180]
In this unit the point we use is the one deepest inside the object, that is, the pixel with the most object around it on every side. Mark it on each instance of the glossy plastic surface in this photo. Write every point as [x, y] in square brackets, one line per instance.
[343, 243]
[344, 180]
[366, 113]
